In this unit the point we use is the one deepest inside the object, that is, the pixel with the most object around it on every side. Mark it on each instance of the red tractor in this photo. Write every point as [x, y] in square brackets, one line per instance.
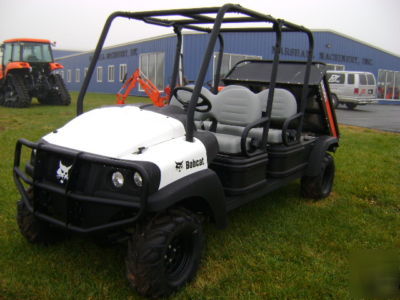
[27, 70]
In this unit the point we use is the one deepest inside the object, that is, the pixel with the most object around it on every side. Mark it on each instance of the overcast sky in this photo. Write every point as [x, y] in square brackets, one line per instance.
[76, 24]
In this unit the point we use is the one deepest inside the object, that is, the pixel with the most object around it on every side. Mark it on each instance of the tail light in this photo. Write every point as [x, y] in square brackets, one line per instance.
[356, 91]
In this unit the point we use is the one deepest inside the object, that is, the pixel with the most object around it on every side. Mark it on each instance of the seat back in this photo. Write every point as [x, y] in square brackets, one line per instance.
[187, 95]
[284, 104]
[183, 95]
[233, 86]
[236, 106]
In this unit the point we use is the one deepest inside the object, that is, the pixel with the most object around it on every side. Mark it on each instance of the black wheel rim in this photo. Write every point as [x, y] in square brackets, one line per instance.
[177, 257]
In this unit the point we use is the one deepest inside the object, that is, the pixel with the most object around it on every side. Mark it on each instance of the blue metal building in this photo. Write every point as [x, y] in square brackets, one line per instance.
[155, 58]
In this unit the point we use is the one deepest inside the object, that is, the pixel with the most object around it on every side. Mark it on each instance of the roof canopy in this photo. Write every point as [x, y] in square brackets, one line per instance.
[27, 40]
[259, 71]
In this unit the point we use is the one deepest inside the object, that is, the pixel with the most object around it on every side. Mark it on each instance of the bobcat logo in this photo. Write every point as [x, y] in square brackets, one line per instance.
[62, 173]
[179, 166]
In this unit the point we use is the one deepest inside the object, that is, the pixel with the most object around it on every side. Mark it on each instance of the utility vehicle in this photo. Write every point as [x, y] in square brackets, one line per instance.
[201, 156]
[28, 70]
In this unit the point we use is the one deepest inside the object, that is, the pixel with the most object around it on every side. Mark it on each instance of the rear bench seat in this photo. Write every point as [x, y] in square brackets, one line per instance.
[284, 106]
[235, 107]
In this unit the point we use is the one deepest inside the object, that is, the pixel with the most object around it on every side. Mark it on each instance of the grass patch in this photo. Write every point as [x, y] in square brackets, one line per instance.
[280, 246]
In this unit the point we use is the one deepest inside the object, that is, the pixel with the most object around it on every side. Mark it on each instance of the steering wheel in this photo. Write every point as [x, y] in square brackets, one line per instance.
[204, 100]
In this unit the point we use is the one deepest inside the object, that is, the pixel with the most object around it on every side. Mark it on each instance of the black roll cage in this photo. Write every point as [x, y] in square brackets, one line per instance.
[197, 19]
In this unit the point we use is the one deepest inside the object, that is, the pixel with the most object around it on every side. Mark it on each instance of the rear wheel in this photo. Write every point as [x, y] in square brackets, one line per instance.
[35, 230]
[58, 95]
[15, 92]
[335, 101]
[351, 105]
[319, 186]
[166, 255]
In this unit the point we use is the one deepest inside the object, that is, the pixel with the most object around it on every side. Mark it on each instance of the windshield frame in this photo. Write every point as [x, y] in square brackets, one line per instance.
[31, 52]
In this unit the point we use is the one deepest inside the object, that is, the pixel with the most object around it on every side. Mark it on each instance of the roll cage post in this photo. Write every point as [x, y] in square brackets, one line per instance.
[178, 31]
[217, 75]
[192, 20]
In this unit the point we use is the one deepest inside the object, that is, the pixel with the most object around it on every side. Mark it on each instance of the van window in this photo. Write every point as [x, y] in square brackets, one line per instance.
[370, 79]
[336, 78]
[363, 79]
[350, 78]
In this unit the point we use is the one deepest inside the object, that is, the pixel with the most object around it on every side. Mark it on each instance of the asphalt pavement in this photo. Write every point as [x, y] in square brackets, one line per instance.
[382, 117]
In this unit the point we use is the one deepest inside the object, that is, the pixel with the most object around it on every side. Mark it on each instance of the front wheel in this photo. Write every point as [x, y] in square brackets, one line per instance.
[166, 254]
[35, 230]
[319, 186]
[351, 105]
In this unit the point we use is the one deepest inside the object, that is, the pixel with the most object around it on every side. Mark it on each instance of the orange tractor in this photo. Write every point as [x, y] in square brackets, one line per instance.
[148, 86]
[27, 70]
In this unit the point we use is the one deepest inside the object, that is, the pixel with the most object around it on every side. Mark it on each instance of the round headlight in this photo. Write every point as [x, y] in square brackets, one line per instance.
[137, 178]
[117, 179]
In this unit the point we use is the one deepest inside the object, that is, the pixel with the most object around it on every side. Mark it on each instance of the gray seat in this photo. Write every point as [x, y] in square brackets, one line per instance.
[235, 108]
[186, 96]
[234, 86]
[284, 106]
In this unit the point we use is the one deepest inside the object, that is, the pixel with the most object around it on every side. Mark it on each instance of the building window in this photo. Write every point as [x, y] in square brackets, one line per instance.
[77, 75]
[111, 73]
[229, 60]
[123, 70]
[335, 67]
[69, 76]
[99, 74]
[85, 72]
[152, 66]
[389, 84]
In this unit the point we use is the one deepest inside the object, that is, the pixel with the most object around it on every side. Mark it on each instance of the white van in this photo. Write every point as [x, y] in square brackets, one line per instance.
[352, 88]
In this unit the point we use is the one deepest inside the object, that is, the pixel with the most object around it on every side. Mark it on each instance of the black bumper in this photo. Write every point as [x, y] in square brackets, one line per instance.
[86, 202]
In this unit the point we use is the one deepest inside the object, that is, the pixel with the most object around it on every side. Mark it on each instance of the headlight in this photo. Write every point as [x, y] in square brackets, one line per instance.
[137, 178]
[117, 179]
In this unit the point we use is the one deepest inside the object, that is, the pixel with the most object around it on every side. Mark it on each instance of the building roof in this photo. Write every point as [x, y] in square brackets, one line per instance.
[196, 33]
[356, 40]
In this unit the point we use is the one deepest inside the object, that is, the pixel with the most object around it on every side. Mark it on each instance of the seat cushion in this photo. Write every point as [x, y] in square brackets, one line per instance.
[230, 144]
[274, 135]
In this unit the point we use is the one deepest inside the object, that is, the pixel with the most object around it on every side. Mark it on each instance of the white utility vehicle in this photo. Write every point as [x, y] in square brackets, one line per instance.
[157, 176]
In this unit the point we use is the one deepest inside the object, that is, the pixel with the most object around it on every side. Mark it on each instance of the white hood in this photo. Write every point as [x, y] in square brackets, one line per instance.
[116, 131]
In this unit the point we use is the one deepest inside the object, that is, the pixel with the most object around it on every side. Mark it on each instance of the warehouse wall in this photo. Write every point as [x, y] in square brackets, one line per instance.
[330, 47]
[115, 56]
